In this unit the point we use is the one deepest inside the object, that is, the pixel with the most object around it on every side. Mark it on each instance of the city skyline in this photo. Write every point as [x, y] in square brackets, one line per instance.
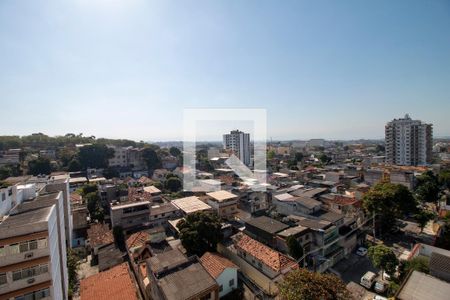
[128, 69]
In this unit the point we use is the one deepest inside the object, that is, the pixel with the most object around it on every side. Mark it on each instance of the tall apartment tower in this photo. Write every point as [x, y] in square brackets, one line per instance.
[408, 142]
[33, 241]
[239, 143]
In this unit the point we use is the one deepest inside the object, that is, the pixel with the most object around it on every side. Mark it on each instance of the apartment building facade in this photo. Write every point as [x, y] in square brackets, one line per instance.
[408, 142]
[33, 250]
[239, 143]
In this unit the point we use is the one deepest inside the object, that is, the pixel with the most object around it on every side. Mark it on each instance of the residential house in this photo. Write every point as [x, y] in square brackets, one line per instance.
[173, 276]
[222, 270]
[114, 284]
[264, 229]
[192, 204]
[160, 214]
[224, 203]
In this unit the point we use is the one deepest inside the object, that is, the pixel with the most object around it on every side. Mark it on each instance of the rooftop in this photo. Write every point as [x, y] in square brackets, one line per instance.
[419, 285]
[99, 234]
[190, 204]
[137, 239]
[309, 192]
[40, 201]
[221, 195]
[152, 189]
[12, 222]
[267, 224]
[311, 223]
[187, 282]
[162, 209]
[274, 259]
[116, 283]
[167, 259]
[292, 231]
[307, 202]
[439, 263]
[215, 264]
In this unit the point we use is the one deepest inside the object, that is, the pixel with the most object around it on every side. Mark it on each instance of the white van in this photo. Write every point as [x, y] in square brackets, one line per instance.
[368, 279]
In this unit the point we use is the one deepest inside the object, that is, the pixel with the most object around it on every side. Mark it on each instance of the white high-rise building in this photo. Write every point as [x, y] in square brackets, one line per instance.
[408, 142]
[239, 143]
[33, 241]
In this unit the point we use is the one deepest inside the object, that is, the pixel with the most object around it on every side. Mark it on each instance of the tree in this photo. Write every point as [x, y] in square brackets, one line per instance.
[88, 188]
[423, 217]
[389, 201]
[298, 156]
[39, 166]
[110, 173]
[324, 158]
[94, 206]
[200, 232]
[174, 151]
[95, 156]
[295, 248]
[443, 237]
[427, 187]
[74, 166]
[151, 159]
[270, 154]
[72, 267]
[173, 184]
[302, 284]
[444, 178]
[418, 263]
[119, 237]
[383, 258]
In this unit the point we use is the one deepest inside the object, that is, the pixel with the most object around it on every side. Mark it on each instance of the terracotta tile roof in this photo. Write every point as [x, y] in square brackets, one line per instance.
[138, 239]
[136, 194]
[116, 283]
[99, 234]
[274, 259]
[343, 200]
[215, 264]
[75, 197]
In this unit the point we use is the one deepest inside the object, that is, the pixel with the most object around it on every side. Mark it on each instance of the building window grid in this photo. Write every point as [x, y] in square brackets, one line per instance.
[30, 272]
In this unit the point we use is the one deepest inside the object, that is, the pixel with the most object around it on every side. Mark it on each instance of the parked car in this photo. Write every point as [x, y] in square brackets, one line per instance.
[361, 251]
[380, 286]
[368, 279]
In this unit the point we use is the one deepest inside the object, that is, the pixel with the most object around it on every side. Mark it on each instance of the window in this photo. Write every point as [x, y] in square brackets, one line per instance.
[3, 278]
[33, 245]
[23, 247]
[3, 196]
[231, 283]
[42, 294]
[42, 243]
[2, 251]
[14, 249]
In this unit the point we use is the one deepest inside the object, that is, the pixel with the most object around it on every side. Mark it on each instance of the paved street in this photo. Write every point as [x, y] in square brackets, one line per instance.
[353, 268]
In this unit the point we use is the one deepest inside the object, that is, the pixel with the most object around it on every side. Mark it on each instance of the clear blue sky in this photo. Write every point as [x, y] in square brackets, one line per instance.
[126, 69]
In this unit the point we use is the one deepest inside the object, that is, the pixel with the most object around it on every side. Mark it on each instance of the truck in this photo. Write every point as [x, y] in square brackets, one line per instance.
[368, 279]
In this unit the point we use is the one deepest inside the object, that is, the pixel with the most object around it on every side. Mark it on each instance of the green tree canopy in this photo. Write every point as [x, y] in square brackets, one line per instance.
[302, 284]
[444, 178]
[427, 187]
[173, 184]
[423, 217]
[383, 257]
[94, 206]
[39, 166]
[174, 151]
[200, 232]
[295, 248]
[419, 263]
[95, 156]
[389, 201]
[151, 159]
